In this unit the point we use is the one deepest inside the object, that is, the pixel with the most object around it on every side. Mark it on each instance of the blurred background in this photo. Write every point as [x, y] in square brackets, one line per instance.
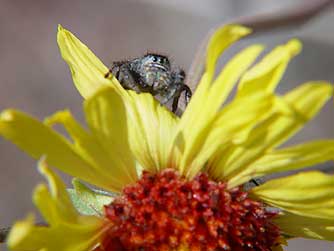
[34, 78]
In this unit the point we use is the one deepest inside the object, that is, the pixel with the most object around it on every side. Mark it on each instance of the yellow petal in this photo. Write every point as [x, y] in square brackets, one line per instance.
[308, 194]
[204, 111]
[229, 76]
[232, 123]
[112, 170]
[107, 118]
[67, 230]
[55, 205]
[306, 227]
[38, 140]
[265, 76]
[291, 158]
[25, 236]
[87, 70]
[304, 102]
[308, 104]
[151, 138]
[137, 122]
[220, 41]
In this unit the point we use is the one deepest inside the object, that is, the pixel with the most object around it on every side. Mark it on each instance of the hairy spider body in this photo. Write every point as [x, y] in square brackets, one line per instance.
[152, 73]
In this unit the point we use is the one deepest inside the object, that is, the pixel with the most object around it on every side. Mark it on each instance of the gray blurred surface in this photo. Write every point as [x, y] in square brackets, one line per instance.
[33, 77]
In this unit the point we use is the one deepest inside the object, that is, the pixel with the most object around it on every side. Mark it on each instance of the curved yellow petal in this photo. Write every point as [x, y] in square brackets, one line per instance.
[107, 105]
[308, 98]
[204, 111]
[309, 194]
[290, 158]
[87, 70]
[54, 204]
[306, 227]
[227, 79]
[231, 124]
[156, 127]
[112, 169]
[39, 140]
[220, 41]
[81, 237]
[136, 121]
[66, 230]
[107, 118]
[265, 75]
[302, 103]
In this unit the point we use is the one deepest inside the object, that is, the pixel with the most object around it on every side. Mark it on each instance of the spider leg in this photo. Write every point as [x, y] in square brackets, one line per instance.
[124, 75]
[168, 95]
[126, 79]
[108, 74]
[254, 182]
[114, 70]
[175, 102]
[188, 93]
[187, 96]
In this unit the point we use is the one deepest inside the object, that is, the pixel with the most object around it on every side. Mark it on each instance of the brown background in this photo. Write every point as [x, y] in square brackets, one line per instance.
[33, 77]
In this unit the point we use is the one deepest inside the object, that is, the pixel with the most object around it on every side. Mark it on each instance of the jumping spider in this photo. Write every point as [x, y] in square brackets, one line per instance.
[152, 73]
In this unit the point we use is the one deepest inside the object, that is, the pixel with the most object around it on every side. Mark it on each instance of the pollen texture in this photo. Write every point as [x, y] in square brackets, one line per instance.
[167, 212]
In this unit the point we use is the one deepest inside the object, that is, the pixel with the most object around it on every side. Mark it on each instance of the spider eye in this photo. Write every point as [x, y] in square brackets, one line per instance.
[155, 59]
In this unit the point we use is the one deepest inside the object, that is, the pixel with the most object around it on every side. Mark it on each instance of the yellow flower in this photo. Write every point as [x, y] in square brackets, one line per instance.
[214, 148]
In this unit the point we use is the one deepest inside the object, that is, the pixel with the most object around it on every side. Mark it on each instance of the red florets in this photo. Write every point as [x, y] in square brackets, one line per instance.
[164, 211]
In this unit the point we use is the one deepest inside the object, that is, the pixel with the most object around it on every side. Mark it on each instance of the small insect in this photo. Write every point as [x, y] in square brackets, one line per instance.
[152, 73]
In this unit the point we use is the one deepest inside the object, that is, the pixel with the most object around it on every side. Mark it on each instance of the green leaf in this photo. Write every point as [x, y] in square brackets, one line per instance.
[88, 201]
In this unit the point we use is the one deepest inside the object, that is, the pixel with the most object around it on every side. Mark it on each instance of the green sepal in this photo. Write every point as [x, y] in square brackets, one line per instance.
[88, 201]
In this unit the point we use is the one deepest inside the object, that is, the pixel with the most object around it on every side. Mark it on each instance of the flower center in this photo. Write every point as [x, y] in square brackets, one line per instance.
[165, 212]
